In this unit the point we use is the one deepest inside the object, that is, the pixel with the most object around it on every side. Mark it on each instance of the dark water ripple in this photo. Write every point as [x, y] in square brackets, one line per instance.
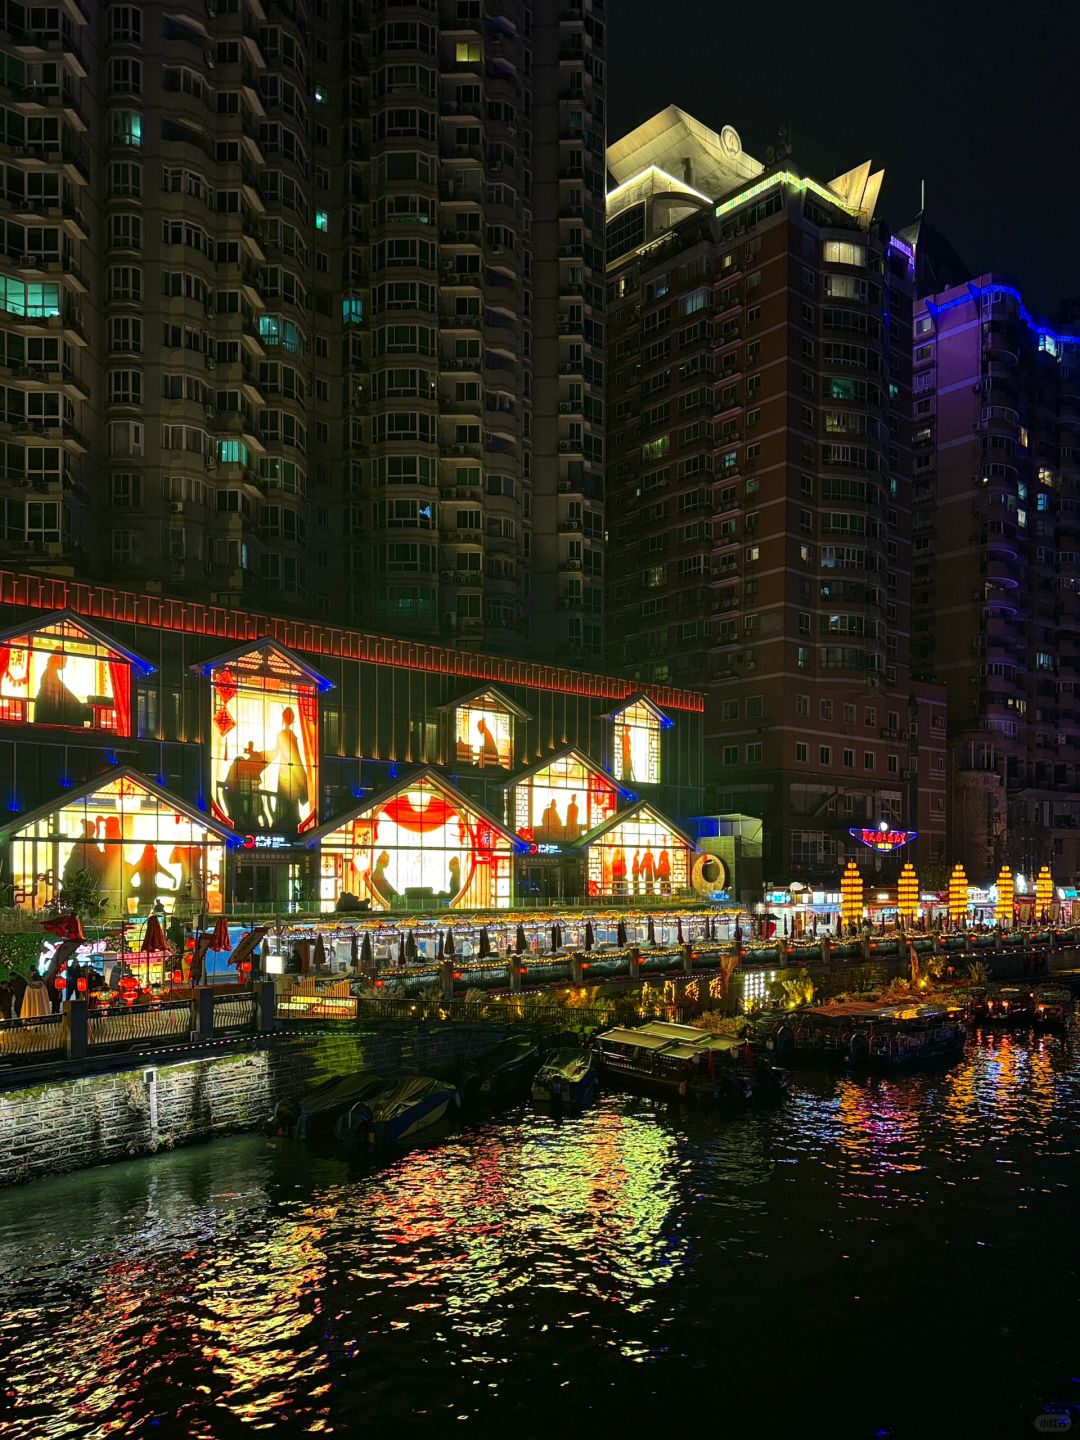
[881, 1257]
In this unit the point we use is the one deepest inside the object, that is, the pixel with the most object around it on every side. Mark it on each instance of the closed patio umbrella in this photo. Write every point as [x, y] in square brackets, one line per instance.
[521, 944]
[401, 950]
[439, 947]
[620, 932]
[484, 947]
[590, 938]
[219, 937]
[320, 953]
[354, 951]
[411, 952]
[678, 931]
[367, 958]
[153, 941]
[554, 937]
[449, 947]
[652, 931]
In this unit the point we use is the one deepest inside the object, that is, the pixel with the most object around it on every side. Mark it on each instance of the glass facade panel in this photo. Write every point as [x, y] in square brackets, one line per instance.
[417, 846]
[264, 746]
[637, 746]
[484, 732]
[141, 850]
[563, 801]
[60, 675]
[640, 855]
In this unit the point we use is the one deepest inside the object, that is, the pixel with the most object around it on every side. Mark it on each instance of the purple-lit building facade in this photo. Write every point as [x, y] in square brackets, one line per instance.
[996, 571]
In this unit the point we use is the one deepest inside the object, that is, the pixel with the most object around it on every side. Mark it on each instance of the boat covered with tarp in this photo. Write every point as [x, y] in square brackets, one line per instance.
[568, 1078]
[402, 1109]
[681, 1061]
[509, 1066]
[313, 1116]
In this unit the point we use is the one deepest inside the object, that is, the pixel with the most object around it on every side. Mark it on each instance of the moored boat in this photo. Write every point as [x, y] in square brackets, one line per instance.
[1010, 1005]
[683, 1062]
[857, 1033]
[1053, 1005]
[314, 1115]
[403, 1109]
[568, 1078]
[509, 1066]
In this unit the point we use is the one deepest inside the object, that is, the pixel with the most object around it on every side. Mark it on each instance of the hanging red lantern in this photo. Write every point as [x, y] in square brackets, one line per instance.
[177, 977]
[58, 980]
[82, 985]
[129, 988]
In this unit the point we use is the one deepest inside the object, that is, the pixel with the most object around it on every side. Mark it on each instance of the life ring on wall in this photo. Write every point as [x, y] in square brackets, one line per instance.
[707, 874]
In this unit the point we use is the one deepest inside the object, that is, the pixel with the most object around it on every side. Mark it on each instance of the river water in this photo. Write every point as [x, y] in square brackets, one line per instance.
[877, 1257]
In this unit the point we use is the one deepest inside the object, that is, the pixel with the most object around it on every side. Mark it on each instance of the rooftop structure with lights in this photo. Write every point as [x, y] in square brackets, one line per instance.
[759, 479]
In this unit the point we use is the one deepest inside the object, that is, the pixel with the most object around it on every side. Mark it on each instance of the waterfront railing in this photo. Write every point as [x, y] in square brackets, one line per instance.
[37, 1039]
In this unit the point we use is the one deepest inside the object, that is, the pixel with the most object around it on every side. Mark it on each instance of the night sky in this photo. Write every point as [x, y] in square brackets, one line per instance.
[980, 100]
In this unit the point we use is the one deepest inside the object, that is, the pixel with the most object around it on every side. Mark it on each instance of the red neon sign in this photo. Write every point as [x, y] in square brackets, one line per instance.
[884, 840]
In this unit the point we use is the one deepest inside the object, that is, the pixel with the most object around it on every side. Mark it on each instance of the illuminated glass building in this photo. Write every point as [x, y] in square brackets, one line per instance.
[206, 758]
[274, 282]
[997, 569]
[759, 483]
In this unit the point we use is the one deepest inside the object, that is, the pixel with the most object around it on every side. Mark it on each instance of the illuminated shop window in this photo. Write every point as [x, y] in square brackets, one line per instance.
[264, 740]
[483, 727]
[636, 752]
[66, 673]
[142, 847]
[638, 853]
[558, 801]
[419, 843]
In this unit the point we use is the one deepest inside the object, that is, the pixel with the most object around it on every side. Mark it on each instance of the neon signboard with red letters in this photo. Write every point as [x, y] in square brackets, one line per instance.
[883, 839]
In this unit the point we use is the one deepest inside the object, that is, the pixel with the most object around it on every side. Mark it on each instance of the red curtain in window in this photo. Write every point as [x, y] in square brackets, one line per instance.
[307, 704]
[120, 679]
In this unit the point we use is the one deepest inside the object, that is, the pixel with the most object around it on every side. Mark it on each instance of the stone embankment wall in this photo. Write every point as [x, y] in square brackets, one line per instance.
[68, 1124]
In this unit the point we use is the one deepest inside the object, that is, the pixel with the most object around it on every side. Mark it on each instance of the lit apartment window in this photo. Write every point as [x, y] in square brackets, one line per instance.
[468, 52]
[127, 127]
[322, 220]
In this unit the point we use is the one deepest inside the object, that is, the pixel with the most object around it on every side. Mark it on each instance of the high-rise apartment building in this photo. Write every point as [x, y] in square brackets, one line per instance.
[276, 278]
[997, 570]
[759, 486]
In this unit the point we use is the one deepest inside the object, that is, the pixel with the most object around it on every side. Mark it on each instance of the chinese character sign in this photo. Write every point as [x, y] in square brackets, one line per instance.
[484, 736]
[264, 734]
[139, 851]
[636, 756]
[61, 676]
[420, 844]
[563, 801]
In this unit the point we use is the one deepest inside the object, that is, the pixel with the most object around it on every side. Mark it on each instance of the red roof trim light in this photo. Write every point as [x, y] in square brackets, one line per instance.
[123, 607]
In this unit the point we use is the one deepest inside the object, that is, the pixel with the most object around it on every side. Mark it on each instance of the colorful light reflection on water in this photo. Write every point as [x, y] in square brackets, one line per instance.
[864, 1259]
